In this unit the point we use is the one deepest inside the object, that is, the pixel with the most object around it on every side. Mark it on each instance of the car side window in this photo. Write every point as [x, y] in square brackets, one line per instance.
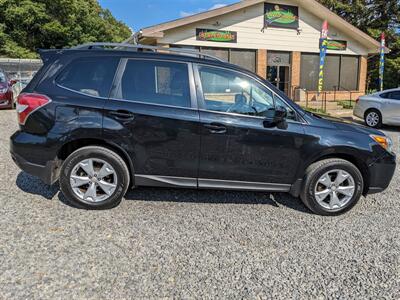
[229, 91]
[90, 76]
[291, 114]
[394, 95]
[156, 82]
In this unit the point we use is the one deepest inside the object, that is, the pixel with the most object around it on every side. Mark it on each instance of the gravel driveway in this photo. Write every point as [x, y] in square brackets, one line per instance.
[191, 244]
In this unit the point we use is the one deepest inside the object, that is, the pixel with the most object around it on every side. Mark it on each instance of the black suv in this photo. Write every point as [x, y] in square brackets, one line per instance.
[102, 118]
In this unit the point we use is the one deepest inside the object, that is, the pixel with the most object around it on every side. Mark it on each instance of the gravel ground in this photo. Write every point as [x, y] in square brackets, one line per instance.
[163, 243]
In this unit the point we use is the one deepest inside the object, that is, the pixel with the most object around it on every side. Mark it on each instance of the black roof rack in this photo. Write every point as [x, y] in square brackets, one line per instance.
[118, 46]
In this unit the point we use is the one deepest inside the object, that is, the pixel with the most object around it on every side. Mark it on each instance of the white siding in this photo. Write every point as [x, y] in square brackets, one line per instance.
[249, 22]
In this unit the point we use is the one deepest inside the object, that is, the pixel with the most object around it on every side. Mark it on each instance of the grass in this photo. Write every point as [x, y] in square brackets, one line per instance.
[317, 110]
[347, 104]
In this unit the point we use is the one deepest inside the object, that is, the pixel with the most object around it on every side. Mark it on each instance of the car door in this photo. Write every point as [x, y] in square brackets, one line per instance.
[238, 149]
[152, 114]
[391, 111]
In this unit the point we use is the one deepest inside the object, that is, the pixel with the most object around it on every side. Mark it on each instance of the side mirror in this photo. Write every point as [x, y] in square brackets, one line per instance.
[275, 117]
[12, 82]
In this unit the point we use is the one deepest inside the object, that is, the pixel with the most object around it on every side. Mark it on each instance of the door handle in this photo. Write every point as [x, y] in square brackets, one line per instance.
[215, 128]
[123, 115]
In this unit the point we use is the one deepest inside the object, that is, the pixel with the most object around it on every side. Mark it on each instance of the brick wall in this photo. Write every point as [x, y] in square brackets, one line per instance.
[362, 80]
[295, 72]
[262, 63]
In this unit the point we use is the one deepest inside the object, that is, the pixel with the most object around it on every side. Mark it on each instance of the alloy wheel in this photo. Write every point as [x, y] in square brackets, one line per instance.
[93, 180]
[334, 189]
[372, 119]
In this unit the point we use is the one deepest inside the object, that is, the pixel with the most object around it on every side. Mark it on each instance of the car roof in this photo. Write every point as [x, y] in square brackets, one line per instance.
[389, 90]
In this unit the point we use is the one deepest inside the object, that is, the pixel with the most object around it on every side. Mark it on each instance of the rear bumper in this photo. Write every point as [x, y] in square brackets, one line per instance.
[29, 156]
[47, 173]
[381, 173]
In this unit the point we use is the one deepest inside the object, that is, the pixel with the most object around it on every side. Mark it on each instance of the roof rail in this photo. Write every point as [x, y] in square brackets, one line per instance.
[117, 46]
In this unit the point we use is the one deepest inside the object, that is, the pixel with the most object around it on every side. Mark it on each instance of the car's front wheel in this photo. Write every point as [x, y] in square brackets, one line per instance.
[332, 186]
[94, 178]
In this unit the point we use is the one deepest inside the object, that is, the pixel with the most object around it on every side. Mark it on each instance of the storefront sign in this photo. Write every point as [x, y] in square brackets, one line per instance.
[211, 35]
[338, 45]
[284, 16]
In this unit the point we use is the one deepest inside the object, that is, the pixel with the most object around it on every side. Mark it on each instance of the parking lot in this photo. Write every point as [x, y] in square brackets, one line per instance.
[164, 243]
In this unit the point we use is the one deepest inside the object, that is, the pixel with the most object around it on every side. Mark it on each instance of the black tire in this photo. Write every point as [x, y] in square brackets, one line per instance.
[316, 171]
[375, 112]
[104, 154]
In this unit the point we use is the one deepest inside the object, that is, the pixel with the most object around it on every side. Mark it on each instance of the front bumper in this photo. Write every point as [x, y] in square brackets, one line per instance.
[381, 173]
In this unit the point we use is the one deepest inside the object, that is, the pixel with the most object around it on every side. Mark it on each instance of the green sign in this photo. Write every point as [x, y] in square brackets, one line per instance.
[284, 16]
[211, 35]
[337, 45]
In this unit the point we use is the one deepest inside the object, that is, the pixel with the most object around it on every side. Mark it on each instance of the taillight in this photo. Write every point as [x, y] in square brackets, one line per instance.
[358, 99]
[27, 103]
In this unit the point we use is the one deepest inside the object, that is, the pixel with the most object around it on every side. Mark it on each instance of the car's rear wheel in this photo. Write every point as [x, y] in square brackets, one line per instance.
[373, 118]
[94, 178]
[332, 186]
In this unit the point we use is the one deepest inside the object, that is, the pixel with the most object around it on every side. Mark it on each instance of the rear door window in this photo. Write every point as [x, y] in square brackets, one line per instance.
[394, 95]
[90, 76]
[156, 82]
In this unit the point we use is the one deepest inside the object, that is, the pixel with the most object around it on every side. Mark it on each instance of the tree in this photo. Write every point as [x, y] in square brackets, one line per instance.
[27, 25]
[375, 17]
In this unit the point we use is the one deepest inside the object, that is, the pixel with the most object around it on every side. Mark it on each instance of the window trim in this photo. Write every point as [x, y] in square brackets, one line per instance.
[202, 106]
[120, 72]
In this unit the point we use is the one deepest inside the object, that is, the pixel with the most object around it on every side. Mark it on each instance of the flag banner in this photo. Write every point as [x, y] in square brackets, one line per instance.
[382, 61]
[322, 55]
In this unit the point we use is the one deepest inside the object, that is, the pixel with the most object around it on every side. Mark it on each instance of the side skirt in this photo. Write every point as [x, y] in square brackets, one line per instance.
[201, 183]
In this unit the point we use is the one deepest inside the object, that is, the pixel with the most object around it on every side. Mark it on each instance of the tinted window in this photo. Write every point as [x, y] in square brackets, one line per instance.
[384, 95]
[156, 82]
[394, 95]
[340, 72]
[229, 91]
[349, 73]
[91, 76]
[244, 58]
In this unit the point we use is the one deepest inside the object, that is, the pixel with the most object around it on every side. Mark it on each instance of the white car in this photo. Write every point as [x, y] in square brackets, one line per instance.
[379, 108]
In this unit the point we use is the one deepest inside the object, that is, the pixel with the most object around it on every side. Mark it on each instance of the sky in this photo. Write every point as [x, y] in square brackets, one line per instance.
[138, 14]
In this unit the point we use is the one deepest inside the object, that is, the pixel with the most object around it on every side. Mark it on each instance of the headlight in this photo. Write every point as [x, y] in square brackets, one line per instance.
[385, 141]
[3, 90]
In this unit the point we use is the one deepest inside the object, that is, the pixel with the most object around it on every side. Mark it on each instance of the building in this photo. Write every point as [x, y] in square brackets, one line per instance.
[279, 40]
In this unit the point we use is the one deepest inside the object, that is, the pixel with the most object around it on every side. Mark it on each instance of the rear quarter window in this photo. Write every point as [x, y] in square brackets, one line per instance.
[90, 76]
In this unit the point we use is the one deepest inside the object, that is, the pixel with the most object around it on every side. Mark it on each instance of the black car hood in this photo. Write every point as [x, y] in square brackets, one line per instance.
[347, 125]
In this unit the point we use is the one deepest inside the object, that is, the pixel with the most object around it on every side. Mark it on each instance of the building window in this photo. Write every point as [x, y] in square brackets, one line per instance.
[349, 67]
[340, 72]
[245, 58]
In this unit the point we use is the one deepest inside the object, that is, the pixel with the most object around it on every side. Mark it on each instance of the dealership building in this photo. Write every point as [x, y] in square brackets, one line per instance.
[279, 40]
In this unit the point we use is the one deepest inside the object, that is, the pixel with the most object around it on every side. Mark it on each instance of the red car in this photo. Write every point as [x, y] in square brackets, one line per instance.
[6, 93]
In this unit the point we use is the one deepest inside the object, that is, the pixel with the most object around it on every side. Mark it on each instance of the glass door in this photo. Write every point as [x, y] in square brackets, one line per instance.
[279, 76]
